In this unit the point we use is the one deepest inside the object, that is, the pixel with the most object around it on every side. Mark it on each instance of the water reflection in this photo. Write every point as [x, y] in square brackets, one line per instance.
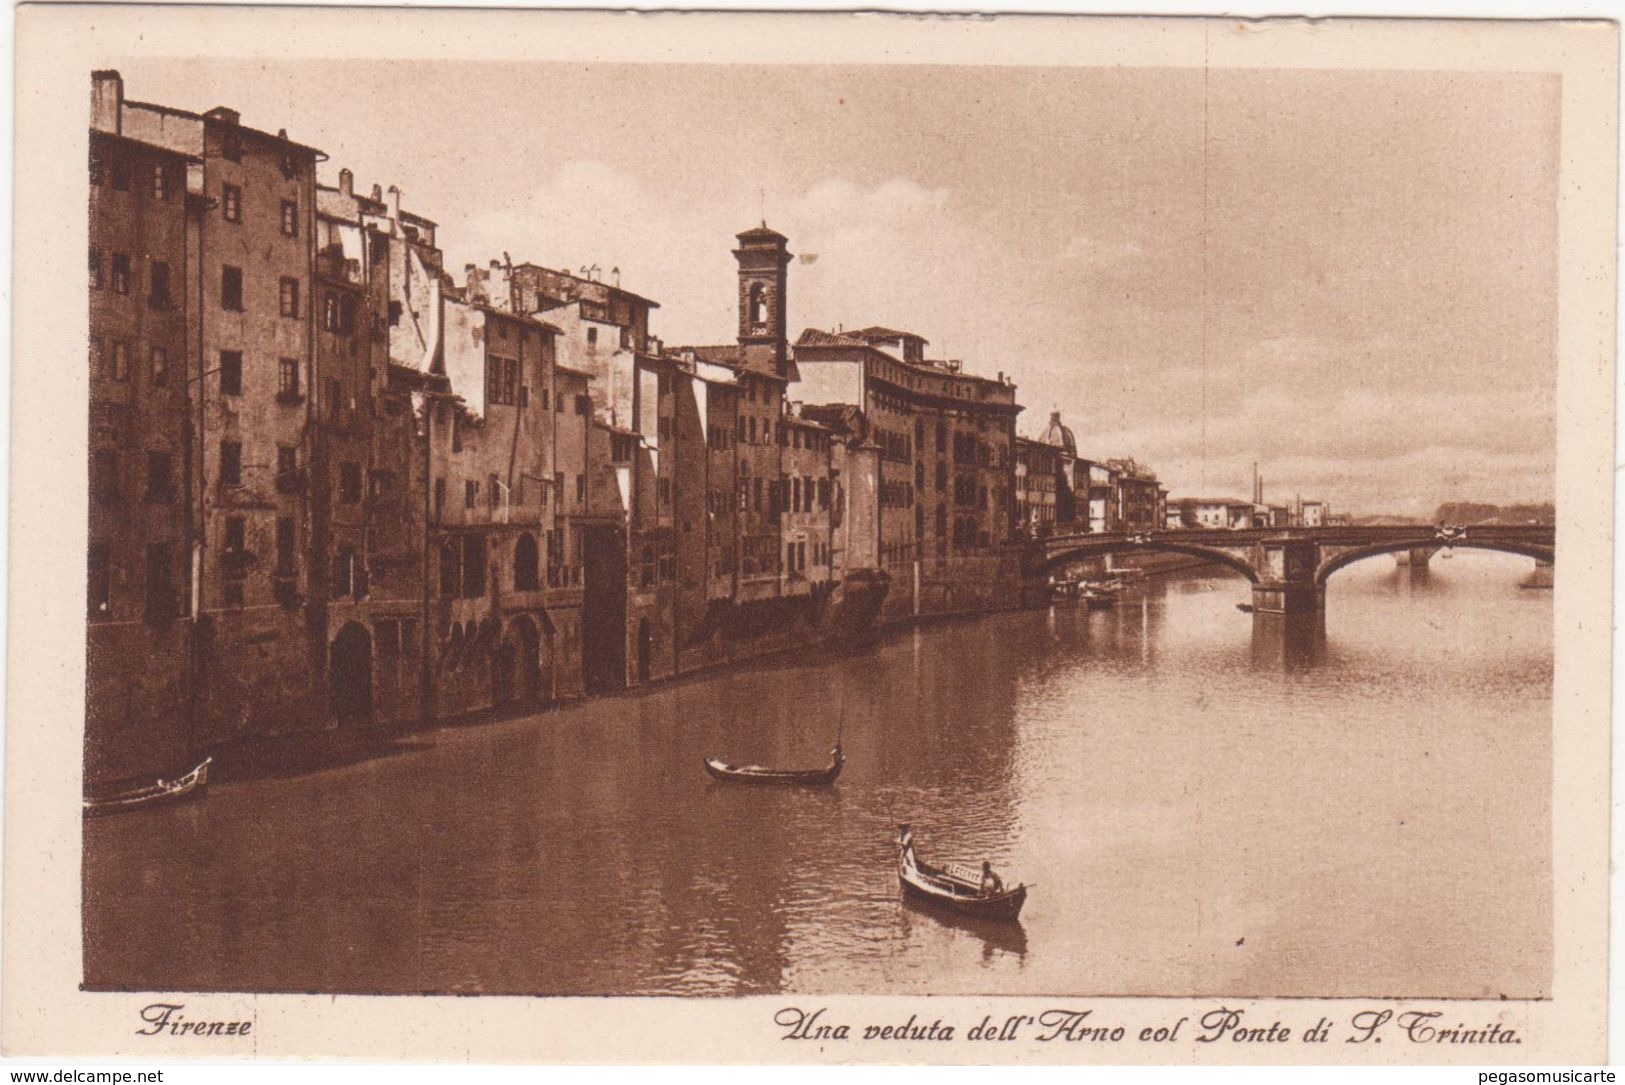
[1294, 642]
[1193, 820]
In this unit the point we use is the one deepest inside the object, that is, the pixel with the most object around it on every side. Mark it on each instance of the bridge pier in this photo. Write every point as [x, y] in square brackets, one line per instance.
[1287, 583]
[1416, 559]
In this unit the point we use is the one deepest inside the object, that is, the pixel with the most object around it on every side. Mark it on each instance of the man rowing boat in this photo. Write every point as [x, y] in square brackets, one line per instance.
[992, 884]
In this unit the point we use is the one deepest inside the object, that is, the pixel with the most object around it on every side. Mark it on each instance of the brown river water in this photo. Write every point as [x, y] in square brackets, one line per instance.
[1195, 815]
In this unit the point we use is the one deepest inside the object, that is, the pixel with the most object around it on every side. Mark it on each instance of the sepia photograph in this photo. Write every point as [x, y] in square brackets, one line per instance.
[833, 527]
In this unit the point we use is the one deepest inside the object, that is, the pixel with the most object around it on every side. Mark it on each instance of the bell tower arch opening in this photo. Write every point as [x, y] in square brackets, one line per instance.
[764, 260]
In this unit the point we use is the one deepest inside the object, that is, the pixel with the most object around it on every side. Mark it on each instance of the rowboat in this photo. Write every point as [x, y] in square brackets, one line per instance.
[757, 774]
[955, 887]
[191, 783]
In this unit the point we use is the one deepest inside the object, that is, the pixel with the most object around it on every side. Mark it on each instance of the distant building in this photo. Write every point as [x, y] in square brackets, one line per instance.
[1037, 470]
[947, 439]
[1138, 496]
[1312, 513]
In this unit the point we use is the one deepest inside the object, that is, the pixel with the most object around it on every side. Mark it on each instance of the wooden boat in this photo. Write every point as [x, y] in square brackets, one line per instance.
[757, 774]
[191, 783]
[956, 888]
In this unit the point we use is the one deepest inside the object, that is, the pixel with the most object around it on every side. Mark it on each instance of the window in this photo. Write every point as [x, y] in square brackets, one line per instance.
[121, 360]
[284, 546]
[160, 586]
[349, 483]
[583, 405]
[95, 269]
[121, 273]
[647, 576]
[346, 574]
[104, 474]
[335, 398]
[394, 314]
[288, 297]
[99, 592]
[231, 463]
[234, 561]
[287, 469]
[231, 203]
[160, 367]
[494, 493]
[592, 337]
[231, 372]
[160, 484]
[231, 144]
[501, 380]
[330, 311]
[526, 568]
[95, 166]
[160, 182]
[290, 218]
[158, 295]
[439, 496]
[287, 380]
[231, 288]
[581, 489]
[471, 494]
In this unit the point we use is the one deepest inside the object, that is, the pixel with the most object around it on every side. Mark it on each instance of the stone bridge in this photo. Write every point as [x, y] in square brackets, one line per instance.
[1289, 567]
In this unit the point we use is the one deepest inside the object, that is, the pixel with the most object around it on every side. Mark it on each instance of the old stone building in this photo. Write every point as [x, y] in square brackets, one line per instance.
[144, 206]
[260, 650]
[945, 484]
[491, 454]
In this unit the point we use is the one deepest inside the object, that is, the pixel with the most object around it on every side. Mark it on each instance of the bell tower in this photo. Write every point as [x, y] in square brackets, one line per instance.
[763, 259]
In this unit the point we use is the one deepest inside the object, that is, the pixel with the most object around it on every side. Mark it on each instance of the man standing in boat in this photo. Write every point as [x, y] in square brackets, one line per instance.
[905, 842]
[992, 884]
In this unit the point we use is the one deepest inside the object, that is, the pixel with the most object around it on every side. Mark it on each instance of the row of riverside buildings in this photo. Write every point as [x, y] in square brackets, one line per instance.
[332, 486]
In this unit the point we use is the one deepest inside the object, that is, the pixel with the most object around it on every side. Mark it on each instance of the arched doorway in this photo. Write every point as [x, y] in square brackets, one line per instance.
[527, 644]
[349, 671]
[645, 650]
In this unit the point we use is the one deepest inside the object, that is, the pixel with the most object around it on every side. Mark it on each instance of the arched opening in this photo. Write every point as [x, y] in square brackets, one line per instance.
[1217, 557]
[526, 564]
[645, 650]
[349, 672]
[758, 306]
[1349, 557]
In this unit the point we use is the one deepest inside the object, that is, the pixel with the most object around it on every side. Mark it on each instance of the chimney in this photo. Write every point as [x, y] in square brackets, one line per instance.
[107, 101]
[222, 113]
[377, 194]
[394, 202]
[347, 182]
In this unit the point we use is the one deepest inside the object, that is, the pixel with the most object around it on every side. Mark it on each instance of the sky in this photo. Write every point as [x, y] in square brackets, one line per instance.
[1347, 277]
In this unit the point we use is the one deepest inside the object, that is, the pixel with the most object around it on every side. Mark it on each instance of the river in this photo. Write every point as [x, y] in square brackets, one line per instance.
[1195, 815]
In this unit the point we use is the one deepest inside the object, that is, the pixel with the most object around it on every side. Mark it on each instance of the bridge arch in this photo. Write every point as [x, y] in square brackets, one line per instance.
[1330, 565]
[1153, 546]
